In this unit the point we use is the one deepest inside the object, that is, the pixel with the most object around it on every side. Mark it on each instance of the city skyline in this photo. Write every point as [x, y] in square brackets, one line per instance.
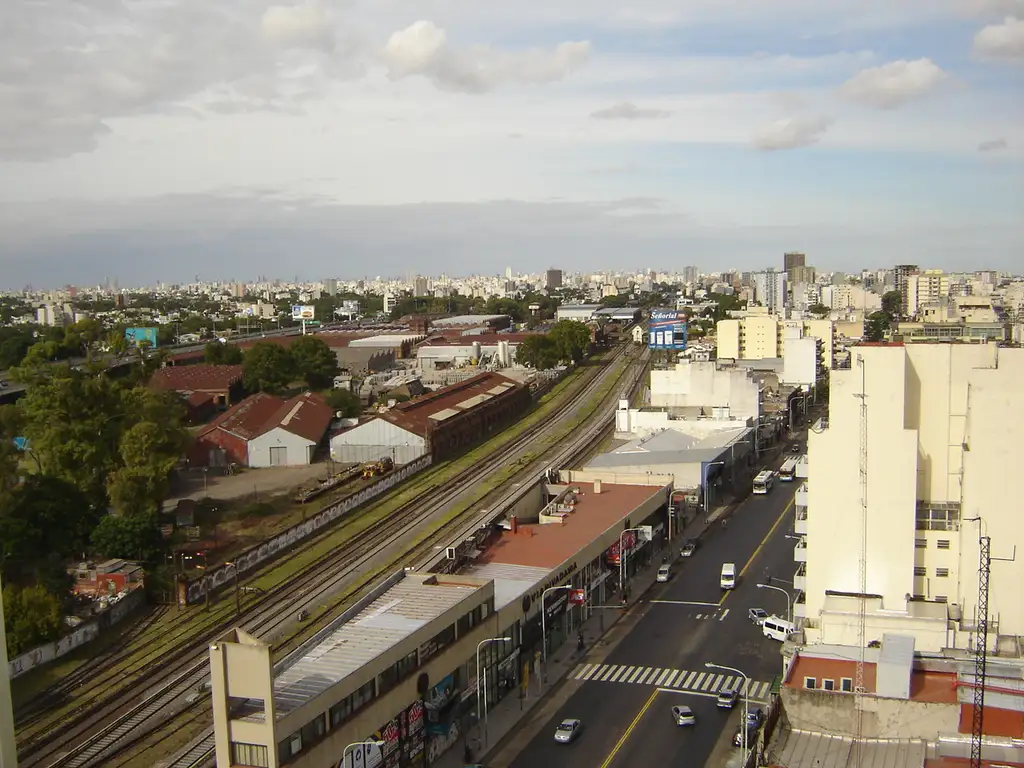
[577, 133]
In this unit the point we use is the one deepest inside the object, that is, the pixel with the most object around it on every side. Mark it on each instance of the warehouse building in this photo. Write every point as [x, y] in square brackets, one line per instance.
[439, 423]
[584, 313]
[220, 385]
[490, 348]
[470, 325]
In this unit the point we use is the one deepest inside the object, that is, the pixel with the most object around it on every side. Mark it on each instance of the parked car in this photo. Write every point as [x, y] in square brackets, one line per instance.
[755, 717]
[795, 448]
[757, 615]
[688, 548]
[568, 730]
[727, 698]
[683, 716]
[664, 573]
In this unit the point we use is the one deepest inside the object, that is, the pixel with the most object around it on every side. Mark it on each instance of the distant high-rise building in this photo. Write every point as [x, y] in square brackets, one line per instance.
[420, 287]
[331, 286]
[554, 279]
[901, 277]
[508, 273]
[770, 289]
[689, 275]
[790, 262]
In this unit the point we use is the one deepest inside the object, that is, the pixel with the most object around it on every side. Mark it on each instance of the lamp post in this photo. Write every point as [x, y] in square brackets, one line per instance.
[480, 690]
[746, 703]
[789, 600]
[704, 485]
[622, 562]
[801, 398]
[544, 626]
[371, 742]
[238, 601]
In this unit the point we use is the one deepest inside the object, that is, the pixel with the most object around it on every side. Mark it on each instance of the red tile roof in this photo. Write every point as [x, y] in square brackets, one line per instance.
[414, 415]
[305, 415]
[246, 419]
[549, 545]
[197, 378]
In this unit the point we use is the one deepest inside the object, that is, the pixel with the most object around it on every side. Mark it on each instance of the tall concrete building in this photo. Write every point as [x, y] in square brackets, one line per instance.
[331, 286]
[923, 288]
[901, 280]
[792, 261]
[553, 279]
[690, 275]
[944, 430]
[770, 289]
[420, 287]
[8, 745]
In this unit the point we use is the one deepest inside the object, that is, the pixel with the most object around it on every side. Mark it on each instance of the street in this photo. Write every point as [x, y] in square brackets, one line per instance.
[624, 696]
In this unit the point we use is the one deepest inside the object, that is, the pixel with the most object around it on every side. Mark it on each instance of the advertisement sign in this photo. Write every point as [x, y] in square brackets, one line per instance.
[667, 329]
[135, 336]
[303, 312]
[577, 597]
[629, 543]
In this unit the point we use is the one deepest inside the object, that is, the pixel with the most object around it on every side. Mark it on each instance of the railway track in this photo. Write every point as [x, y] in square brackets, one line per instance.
[96, 734]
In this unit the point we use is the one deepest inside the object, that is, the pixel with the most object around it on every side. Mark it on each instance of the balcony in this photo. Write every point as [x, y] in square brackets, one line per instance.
[800, 552]
[800, 525]
[800, 606]
[800, 577]
[801, 495]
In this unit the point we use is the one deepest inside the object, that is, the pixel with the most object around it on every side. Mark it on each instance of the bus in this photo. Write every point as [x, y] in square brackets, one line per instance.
[764, 481]
[788, 470]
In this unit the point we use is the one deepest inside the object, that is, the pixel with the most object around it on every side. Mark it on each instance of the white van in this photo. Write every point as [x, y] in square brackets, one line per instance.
[777, 629]
[728, 580]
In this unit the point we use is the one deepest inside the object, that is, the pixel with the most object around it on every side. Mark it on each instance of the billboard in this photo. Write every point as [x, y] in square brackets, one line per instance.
[302, 312]
[667, 329]
[135, 336]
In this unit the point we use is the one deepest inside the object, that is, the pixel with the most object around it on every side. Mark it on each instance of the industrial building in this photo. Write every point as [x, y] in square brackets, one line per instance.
[439, 423]
[220, 385]
[939, 438]
[400, 666]
[485, 349]
[264, 431]
[470, 325]
[582, 312]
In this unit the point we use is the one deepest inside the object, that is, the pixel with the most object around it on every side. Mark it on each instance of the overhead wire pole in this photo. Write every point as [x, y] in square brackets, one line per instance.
[857, 752]
[981, 649]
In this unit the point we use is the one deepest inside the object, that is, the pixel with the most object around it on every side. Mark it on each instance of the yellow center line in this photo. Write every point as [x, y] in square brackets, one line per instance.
[625, 736]
[759, 548]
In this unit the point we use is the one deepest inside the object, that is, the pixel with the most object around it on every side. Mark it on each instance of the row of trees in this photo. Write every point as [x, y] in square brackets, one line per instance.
[568, 341]
[271, 367]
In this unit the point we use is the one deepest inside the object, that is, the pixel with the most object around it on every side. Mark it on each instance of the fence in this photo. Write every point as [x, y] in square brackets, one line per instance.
[257, 555]
[47, 652]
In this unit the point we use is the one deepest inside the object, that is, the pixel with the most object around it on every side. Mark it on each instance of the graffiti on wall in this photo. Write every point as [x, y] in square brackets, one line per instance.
[269, 549]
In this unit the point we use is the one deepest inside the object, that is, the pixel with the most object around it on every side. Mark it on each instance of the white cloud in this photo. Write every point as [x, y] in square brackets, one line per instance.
[422, 48]
[628, 111]
[1001, 41]
[298, 25]
[993, 145]
[791, 133]
[894, 84]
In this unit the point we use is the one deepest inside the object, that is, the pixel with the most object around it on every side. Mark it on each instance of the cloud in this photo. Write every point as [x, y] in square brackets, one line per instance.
[423, 49]
[894, 84]
[791, 133]
[993, 145]
[298, 25]
[628, 111]
[1001, 41]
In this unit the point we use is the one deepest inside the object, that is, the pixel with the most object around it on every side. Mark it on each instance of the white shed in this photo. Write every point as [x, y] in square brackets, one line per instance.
[377, 439]
[280, 448]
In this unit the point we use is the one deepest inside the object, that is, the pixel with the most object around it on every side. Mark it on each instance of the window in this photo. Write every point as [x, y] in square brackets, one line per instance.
[388, 679]
[254, 755]
[846, 684]
[828, 685]
[942, 543]
[313, 731]
[810, 683]
[920, 543]
[920, 570]
[942, 572]
[290, 747]
[341, 711]
[407, 666]
[362, 697]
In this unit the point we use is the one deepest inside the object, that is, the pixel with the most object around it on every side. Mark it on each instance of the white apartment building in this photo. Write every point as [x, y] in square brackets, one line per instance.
[702, 385]
[846, 296]
[770, 289]
[760, 336]
[944, 437]
[927, 287]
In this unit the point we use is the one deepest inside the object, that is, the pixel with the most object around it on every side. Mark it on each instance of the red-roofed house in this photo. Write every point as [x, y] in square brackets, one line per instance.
[264, 431]
[223, 383]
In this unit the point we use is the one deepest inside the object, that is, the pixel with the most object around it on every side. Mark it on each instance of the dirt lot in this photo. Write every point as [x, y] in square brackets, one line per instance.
[253, 483]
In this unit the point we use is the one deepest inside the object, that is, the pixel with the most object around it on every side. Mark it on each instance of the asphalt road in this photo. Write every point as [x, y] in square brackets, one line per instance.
[682, 625]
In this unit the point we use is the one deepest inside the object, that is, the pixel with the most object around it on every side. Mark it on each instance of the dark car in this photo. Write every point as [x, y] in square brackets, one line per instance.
[795, 448]
[755, 717]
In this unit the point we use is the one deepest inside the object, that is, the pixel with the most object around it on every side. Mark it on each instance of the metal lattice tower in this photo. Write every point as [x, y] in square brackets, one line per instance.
[858, 685]
[981, 649]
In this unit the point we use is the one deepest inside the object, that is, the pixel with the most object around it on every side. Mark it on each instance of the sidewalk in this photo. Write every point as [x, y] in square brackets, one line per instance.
[507, 714]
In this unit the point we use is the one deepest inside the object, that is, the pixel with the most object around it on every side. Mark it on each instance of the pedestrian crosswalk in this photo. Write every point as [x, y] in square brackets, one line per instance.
[677, 679]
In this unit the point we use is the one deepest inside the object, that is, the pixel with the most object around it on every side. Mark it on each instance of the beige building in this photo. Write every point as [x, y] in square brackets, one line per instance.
[762, 336]
[945, 426]
[927, 287]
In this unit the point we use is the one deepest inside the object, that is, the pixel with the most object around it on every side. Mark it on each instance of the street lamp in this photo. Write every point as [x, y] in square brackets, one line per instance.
[746, 703]
[479, 677]
[789, 603]
[801, 398]
[544, 624]
[372, 742]
[704, 485]
[622, 562]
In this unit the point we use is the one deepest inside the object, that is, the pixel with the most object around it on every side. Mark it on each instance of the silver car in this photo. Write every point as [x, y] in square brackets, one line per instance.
[683, 716]
[664, 573]
[568, 730]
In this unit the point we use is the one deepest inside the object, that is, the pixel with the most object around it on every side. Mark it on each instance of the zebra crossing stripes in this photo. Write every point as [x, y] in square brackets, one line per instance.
[707, 683]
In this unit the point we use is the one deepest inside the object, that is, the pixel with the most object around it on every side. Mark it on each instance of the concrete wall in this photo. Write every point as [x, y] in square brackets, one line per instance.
[702, 385]
[832, 712]
[800, 361]
[298, 450]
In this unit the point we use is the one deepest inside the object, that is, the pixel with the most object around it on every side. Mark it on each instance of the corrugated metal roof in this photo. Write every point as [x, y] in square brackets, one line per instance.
[473, 402]
[511, 581]
[392, 617]
[807, 749]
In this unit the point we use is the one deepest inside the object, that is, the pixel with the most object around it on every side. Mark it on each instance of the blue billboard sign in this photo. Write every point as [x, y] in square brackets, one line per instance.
[135, 336]
[667, 329]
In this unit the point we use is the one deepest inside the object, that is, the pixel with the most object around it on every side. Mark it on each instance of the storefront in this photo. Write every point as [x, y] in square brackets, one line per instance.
[404, 743]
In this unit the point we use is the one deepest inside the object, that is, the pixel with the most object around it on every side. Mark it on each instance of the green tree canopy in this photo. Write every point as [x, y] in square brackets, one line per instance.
[219, 353]
[134, 537]
[268, 367]
[876, 326]
[892, 304]
[344, 401]
[314, 361]
[572, 340]
[538, 352]
[32, 616]
[818, 309]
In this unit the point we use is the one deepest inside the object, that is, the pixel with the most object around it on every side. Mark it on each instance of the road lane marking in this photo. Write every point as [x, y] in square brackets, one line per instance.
[665, 676]
[634, 675]
[584, 672]
[699, 680]
[683, 602]
[648, 672]
[728, 684]
[724, 614]
[608, 672]
[632, 726]
[688, 679]
[760, 546]
[709, 683]
[619, 673]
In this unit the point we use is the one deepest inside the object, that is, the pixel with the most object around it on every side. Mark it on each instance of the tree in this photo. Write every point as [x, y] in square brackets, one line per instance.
[344, 401]
[268, 367]
[314, 361]
[134, 537]
[818, 309]
[538, 352]
[32, 616]
[572, 340]
[892, 304]
[219, 353]
[876, 326]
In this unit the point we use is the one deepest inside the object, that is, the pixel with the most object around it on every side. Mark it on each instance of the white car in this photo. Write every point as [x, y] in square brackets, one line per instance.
[683, 716]
[664, 573]
[568, 730]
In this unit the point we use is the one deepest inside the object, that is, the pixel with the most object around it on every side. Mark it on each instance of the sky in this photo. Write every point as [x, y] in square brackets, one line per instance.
[157, 140]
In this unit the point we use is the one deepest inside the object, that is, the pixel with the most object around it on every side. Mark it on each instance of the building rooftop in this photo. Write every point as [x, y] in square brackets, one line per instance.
[246, 419]
[807, 749]
[384, 340]
[466, 320]
[195, 378]
[484, 339]
[670, 446]
[548, 545]
[305, 415]
[510, 581]
[410, 603]
[415, 415]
